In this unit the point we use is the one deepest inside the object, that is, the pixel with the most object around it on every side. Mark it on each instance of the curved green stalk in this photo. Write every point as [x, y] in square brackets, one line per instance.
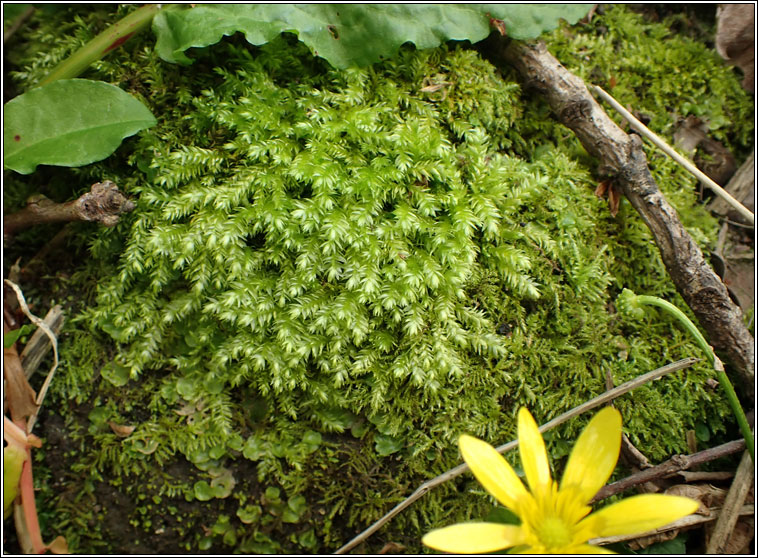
[630, 302]
[113, 37]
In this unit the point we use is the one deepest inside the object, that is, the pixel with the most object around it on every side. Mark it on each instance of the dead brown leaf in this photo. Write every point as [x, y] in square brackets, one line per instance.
[644, 542]
[739, 540]
[432, 88]
[19, 395]
[187, 409]
[614, 195]
[58, 546]
[120, 430]
[708, 495]
[735, 38]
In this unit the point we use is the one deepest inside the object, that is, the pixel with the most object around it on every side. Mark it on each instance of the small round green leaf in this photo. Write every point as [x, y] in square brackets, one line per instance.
[230, 538]
[359, 429]
[308, 539]
[312, 440]
[272, 494]
[203, 491]
[253, 449]
[386, 445]
[249, 514]
[70, 123]
[186, 387]
[213, 385]
[99, 416]
[115, 373]
[297, 504]
[223, 485]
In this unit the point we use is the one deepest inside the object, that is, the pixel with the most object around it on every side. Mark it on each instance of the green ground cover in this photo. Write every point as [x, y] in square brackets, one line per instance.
[330, 275]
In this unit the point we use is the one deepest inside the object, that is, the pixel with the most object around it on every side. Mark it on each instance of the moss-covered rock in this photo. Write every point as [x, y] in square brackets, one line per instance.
[330, 275]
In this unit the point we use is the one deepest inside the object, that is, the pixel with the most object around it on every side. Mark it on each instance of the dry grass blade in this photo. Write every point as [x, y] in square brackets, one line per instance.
[668, 150]
[53, 341]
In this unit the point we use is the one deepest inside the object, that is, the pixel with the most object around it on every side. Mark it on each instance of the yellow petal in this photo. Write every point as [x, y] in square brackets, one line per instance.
[589, 549]
[637, 514]
[532, 450]
[493, 472]
[594, 455]
[474, 538]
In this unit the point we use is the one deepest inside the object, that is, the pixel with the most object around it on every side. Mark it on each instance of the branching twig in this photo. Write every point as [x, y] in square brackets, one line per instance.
[667, 468]
[622, 159]
[104, 203]
[460, 469]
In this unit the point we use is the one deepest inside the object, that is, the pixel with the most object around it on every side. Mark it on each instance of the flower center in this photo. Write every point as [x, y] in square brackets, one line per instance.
[553, 533]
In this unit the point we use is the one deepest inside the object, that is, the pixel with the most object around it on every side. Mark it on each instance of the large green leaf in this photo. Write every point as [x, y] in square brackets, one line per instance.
[71, 122]
[353, 34]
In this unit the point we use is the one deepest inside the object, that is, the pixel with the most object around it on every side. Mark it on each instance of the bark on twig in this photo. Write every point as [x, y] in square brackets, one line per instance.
[732, 506]
[622, 159]
[104, 203]
[667, 468]
[705, 476]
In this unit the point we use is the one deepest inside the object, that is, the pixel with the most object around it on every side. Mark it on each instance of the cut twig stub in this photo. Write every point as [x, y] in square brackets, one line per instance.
[104, 203]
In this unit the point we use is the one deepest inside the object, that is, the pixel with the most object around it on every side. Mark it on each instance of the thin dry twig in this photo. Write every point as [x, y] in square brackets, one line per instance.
[668, 150]
[460, 469]
[689, 521]
[16, 25]
[705, 476]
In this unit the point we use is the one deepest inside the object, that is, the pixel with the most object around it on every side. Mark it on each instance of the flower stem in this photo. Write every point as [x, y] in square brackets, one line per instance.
[731, 396]
[113, 37]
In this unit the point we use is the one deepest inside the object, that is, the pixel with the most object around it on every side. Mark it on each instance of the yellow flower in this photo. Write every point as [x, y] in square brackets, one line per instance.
[554, 520]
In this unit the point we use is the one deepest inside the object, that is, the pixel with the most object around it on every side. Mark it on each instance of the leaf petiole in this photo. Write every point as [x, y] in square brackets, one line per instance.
[113, 37]
[629, 302]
